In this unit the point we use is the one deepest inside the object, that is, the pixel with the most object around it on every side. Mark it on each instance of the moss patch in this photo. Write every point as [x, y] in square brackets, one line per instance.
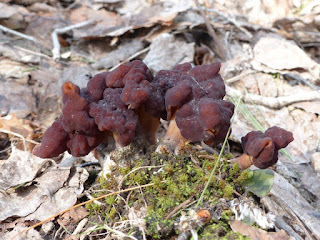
[177, 180]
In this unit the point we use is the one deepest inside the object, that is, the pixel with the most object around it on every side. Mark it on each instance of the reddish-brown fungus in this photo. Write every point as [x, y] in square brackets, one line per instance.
[128, 102]
[261, 149]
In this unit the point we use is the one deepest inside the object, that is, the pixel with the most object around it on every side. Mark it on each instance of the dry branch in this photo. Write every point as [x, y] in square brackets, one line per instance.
[273, 102]
[233, 21]
[219, 50]
[55, 40]
[19, 34]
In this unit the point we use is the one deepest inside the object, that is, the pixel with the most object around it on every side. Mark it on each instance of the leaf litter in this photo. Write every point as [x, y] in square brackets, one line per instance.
[279, 57]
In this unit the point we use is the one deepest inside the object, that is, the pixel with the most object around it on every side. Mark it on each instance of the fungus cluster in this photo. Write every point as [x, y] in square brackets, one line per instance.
[195, 104]
[261, 149]
[129, 101]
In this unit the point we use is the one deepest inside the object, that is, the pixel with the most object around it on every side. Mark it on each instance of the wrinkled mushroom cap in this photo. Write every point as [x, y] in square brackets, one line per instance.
[263, 147]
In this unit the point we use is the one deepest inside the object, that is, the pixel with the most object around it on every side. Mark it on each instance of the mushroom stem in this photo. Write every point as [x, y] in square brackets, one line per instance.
[149, 125]
[173, 138]
[244, 161]
[116, 139]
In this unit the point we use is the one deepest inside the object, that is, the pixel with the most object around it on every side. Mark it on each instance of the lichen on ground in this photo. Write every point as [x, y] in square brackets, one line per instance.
[178, 179]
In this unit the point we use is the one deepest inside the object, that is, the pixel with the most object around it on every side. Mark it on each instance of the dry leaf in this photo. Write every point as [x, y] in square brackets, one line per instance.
[166, 52]
[31, 234]
[123, 52]
[72, 217]
[275, 54]
[281, 54]
[20, 98]
[35, 197]
[52, 192]
[65, 197]
[78, 74]
[20, 168]
[104, 22]
[257, 234]
[12, 69]
[12, 16]
[287, 194]
[13, 51]
[20, 126]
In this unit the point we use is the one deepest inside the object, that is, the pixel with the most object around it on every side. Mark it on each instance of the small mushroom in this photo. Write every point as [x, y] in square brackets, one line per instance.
[261, 149]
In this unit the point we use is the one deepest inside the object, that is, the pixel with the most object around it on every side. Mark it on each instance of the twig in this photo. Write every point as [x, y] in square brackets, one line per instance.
[87, 232]
[238, 77]
[80, 226]
[55, 40]
[272, 102]
[118, 233]
[301, 79]
[209, 149]
[31, 52]
[17, 135]
[19, 34]
[231, 20]
[219, 50]
[176, 209]
[29, 141]
[131, 57]
[91, 197]
[207, 156]
[292, 213]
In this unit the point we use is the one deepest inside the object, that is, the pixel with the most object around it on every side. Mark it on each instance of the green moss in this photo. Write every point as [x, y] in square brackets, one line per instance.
[112, 213]
[179, 180]
[110, 200]
[92, 207]
[244, 175]
[228, 191]
[234, 170]
[220, 231]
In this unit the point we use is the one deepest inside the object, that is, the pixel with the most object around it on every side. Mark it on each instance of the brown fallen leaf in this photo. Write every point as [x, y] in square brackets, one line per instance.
[166, 51]
[11, 124]
[72, 217]
[257, 234]
[105, 21]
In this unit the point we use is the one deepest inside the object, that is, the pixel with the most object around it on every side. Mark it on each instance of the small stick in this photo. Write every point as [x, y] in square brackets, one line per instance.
[17, 135]
[301, 79]
[176, 209]
[55, 40]
[292, 213]
[80, 226]
[272, 102]
[240, 76]
[19, 34]
[31, 52]
[231, 20]
[208, 149]
[219, 49]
